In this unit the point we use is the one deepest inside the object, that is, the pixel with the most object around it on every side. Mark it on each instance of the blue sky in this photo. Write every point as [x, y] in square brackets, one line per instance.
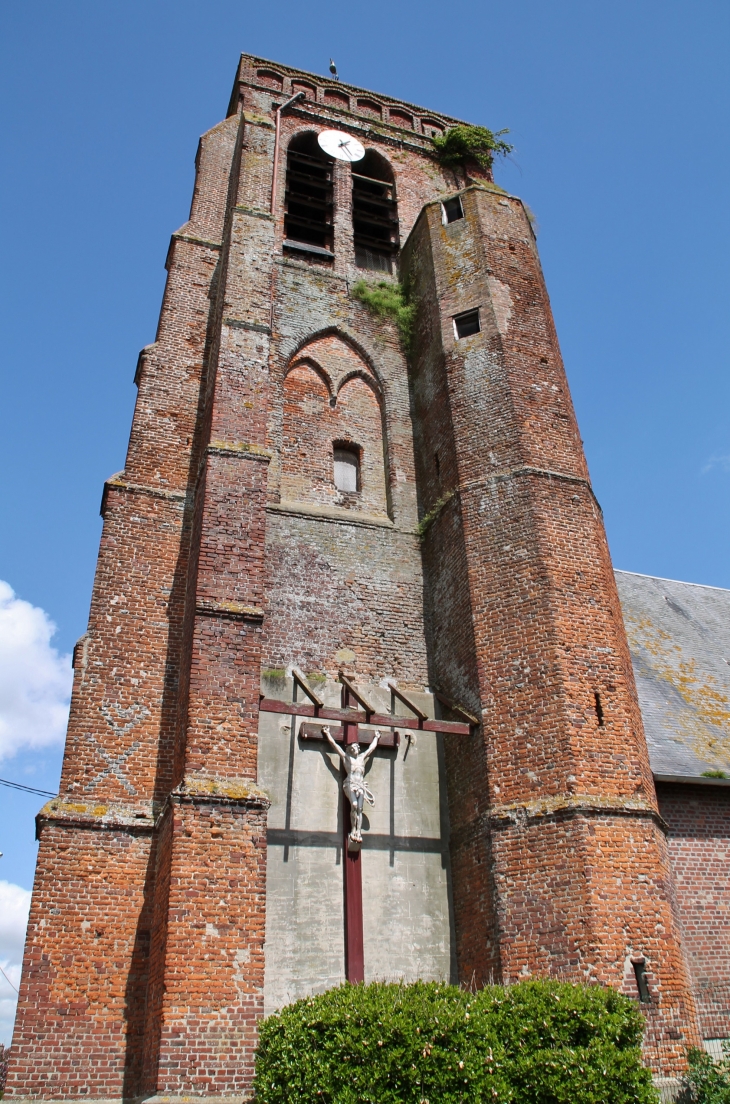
[619, 115]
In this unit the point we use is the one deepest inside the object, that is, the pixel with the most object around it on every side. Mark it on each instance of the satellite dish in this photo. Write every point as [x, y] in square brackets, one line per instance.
[342, 146]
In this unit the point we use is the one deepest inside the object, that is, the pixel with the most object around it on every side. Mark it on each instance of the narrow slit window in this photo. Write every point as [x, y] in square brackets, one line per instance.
[599, 709]
[641, 982]
[375, 230]
[347, 469]
[466, 324]
[309, 201]
[452, 209]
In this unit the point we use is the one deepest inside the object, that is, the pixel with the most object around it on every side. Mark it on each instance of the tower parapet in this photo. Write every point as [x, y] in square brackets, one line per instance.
[302, 518]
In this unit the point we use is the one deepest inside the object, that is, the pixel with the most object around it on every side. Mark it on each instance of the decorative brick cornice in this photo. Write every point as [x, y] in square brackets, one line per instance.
[95, 815]
[542, 473]
[191, 239]
[115, 483]
[414, 143]
[495, 477]
[245, 450]
[332, 513]
[254, 212]
[199, 790]
[241, 324]
[570, 805]
[230, 611]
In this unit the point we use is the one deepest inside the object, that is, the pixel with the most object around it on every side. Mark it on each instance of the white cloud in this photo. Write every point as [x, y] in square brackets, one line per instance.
[14, 906]
[721, 462]
[35, 681]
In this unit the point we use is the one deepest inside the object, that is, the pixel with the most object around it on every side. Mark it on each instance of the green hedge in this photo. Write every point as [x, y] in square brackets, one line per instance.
[534, 1043]
[707, 1082]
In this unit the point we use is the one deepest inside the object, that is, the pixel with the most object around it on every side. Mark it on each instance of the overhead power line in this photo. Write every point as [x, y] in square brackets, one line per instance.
[7, 979]
[26, 789]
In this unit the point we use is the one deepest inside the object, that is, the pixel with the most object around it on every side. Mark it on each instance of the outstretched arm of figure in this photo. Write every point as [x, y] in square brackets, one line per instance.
[373, 745]
[326, 732]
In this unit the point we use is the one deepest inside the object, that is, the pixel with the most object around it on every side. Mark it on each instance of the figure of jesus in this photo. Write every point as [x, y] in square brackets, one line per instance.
[356, 790]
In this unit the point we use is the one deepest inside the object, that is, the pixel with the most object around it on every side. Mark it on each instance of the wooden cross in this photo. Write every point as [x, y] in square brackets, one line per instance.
[348, 732]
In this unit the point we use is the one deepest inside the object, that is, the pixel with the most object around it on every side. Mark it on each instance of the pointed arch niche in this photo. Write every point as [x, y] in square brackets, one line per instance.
[332, 413]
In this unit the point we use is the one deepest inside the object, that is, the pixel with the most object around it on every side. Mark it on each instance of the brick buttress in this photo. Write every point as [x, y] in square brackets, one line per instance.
[559, 853]
[470, 559]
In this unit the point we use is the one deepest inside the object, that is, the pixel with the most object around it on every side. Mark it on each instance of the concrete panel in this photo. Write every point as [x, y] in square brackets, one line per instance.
[407, 916]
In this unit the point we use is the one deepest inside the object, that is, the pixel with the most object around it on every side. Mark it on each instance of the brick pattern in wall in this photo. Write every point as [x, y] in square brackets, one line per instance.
[698, 820]
[228, 550]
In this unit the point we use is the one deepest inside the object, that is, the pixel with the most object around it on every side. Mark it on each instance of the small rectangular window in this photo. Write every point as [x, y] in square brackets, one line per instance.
[347, 469]
[599, 709]
[641, 981]
[452, 209]
[466, 324]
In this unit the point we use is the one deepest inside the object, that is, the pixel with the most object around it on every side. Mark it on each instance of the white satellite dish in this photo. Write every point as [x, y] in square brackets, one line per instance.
[342, 146]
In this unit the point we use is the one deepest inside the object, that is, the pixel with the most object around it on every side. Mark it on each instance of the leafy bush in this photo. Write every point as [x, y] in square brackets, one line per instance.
[427, 1043]
[570, 1043]
[471, 143]
[388, 300]
[707, 1082]
[4, 1056]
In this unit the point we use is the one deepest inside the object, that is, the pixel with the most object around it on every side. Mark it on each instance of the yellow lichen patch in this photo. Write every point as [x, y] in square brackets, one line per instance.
[238, 789]
[706, 722]
[240, 446]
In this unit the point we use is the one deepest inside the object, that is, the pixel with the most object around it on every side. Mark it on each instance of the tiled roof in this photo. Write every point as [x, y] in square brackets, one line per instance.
[679, 636]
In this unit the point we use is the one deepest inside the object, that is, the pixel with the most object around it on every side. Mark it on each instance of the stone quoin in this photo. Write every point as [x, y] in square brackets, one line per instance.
[311, 521]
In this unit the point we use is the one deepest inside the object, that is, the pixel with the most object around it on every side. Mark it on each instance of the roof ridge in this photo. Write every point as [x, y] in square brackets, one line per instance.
[664, 579]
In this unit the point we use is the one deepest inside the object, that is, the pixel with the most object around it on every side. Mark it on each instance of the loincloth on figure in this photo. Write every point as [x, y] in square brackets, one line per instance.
[354, 789]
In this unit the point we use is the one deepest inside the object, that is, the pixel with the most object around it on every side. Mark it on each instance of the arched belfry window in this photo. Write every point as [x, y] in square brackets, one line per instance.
[374, 213]
[308, 219]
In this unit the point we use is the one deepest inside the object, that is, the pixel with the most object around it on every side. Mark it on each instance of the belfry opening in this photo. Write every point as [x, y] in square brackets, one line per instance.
[356, 700]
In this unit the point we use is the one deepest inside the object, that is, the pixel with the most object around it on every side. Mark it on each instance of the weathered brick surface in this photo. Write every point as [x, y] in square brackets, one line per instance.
[226, 551]
[579, 870]
[213, 988]
[698, 819]
[81, 1009]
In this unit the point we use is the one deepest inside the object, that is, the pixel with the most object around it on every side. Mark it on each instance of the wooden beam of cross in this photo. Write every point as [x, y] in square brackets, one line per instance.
[356, 709]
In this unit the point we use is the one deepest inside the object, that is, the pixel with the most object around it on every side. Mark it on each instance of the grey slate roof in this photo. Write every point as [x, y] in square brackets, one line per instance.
[679, 636]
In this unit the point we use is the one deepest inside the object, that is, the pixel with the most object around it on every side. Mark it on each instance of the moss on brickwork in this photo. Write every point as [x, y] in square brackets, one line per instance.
[463, 143]
[428, 518]
[388, 300]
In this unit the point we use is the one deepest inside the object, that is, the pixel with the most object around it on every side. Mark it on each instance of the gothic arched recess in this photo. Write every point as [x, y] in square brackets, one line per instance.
[332, 421]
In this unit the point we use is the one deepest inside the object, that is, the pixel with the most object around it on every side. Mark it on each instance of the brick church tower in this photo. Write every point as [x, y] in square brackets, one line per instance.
[312, 528]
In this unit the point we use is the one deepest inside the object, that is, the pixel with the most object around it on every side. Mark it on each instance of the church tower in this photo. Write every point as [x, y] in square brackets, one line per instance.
[323, 522]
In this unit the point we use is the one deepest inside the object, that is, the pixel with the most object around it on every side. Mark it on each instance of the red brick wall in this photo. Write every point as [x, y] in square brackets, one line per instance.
[81, 1010]
[698, 821]
[322, 408]
[219, 556]
[214, 949]
[573, 854]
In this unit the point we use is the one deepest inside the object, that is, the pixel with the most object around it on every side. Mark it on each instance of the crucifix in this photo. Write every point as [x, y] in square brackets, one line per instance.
[356, 710]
